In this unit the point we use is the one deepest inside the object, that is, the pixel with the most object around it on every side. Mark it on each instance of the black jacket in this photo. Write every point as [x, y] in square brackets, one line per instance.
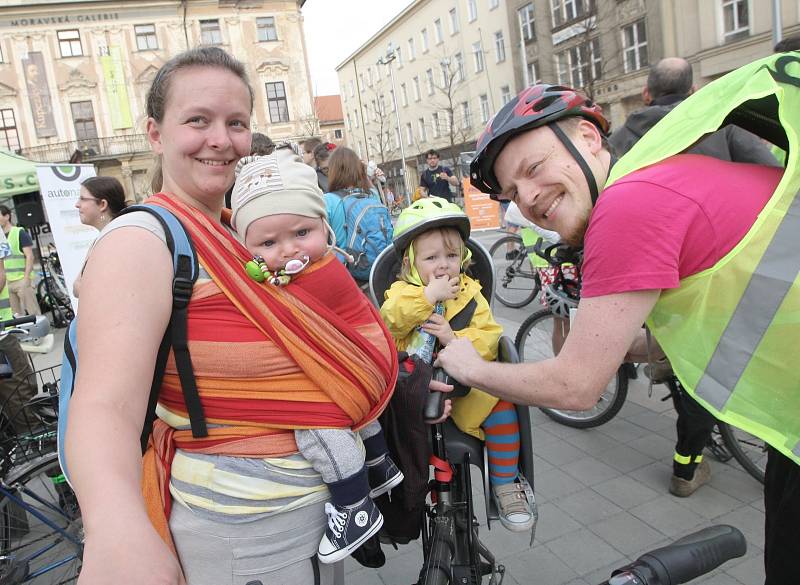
[731, 143]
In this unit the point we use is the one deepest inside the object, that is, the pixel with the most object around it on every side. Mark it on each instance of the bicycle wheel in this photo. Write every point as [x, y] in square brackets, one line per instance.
[540, 337]
[516, 280]
[41, 532]
[438, 552]
[747, 449]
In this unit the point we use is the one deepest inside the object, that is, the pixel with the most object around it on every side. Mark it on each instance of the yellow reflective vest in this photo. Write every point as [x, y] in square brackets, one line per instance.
[732, 332]
[15, 264]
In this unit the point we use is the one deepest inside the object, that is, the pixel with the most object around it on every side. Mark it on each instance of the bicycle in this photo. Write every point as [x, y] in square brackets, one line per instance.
[52, 292]
[518, 281]
[41, 532]
[541, 336]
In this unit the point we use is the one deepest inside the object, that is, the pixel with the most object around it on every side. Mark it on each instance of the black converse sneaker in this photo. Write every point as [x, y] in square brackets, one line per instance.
[348, 528]
[383, 475]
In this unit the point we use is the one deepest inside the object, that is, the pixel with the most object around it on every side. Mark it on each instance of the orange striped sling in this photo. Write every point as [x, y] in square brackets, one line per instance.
[267, 360]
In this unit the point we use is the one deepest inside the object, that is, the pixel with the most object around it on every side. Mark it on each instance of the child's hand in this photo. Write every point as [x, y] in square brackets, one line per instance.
[441, 289]
[437, 325]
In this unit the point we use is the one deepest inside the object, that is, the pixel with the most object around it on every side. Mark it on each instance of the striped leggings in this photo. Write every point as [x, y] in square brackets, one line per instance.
[502, 442]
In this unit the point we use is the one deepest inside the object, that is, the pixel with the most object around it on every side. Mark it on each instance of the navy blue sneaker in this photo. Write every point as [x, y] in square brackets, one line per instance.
[383, 475]
[348, 528]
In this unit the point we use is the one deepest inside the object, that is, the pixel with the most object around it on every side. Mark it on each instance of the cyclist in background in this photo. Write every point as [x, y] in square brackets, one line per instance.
[653, 245]
[668, 84]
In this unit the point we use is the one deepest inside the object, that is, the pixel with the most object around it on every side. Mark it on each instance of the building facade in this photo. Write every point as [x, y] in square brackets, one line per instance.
[606, 47]
[328, 110]
[74, 74]
[430, 78]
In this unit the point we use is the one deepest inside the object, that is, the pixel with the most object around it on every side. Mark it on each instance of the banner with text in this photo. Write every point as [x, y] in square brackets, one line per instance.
[483, 212]
[116, 89]
[39, 95]
[60, 186]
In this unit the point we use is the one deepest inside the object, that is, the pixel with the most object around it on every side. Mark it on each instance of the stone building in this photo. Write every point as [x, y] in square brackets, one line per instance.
[328, 110]
[74, 73]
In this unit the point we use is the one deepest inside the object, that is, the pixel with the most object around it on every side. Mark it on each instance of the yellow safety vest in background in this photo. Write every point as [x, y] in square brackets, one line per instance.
[15, 264]
[732, 332]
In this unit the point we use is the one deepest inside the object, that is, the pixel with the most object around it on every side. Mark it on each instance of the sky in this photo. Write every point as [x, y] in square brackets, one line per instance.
[336, 28]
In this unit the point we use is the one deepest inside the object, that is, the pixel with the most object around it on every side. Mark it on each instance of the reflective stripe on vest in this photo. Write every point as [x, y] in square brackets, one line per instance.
[15, 264]
[732, 331]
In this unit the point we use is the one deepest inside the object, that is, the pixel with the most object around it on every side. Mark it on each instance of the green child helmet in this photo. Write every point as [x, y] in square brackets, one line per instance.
[425, 214]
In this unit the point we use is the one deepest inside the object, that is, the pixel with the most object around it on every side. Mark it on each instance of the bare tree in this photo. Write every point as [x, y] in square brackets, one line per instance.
[308, 121]
[377, 104]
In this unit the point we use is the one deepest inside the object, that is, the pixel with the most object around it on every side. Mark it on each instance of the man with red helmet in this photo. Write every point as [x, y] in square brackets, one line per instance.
[653, 230]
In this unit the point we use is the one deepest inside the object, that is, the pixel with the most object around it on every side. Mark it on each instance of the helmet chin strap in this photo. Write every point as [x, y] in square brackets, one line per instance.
[587, 172]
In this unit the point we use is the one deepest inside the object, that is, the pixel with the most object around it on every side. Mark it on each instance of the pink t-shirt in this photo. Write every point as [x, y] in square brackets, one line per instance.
[671, 220]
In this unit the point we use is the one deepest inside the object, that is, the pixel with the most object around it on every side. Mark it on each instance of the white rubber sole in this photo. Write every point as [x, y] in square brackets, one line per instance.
[382, 489]
[342, 553]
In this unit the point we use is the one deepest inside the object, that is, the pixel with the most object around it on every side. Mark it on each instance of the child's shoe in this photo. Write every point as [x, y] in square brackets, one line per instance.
[516, 504]
[383, 475]
[348, 528]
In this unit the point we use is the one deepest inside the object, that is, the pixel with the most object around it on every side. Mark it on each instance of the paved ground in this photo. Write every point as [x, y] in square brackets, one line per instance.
[602, 497]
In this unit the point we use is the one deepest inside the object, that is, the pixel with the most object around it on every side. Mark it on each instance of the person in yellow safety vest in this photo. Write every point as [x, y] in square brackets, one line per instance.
[19, 267]
[704, 250]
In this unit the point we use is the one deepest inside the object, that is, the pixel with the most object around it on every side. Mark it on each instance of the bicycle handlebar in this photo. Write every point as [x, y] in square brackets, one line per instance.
[556, 254]
[434, 403]
[11, 323]
[684, 559]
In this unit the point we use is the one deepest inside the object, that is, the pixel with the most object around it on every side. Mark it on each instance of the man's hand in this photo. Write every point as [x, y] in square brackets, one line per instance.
[441, 289]
[437, 325]
[444, 176]
[459, 359]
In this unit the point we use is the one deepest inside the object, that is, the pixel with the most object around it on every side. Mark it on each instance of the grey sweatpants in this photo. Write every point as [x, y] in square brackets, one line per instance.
[334, 453]
[277, 550]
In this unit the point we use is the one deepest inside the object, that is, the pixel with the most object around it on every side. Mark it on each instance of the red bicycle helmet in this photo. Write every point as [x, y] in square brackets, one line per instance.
[535, 106]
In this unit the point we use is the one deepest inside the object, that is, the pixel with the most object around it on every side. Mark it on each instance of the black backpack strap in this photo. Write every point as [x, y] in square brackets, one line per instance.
[464, 316]
[186, 269]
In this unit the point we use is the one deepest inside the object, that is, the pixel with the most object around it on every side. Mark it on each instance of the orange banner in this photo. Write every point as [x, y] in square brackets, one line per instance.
[483, 213]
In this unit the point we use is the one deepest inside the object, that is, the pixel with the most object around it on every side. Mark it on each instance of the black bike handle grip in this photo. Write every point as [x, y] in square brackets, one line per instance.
[692, 555]
[434, 403]
[18, 321]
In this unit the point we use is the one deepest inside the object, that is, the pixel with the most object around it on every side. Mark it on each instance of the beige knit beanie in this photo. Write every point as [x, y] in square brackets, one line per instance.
[274, 184]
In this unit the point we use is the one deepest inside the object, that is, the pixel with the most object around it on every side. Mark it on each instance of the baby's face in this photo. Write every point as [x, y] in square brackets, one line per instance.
[280, 238]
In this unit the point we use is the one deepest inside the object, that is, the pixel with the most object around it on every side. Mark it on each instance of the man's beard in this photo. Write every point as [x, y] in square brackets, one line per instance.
[575, 237]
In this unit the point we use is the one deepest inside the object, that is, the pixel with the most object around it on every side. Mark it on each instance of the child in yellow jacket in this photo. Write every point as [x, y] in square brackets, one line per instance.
[431, 234]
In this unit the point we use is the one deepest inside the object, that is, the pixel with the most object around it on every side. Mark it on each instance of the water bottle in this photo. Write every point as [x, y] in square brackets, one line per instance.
[423, 343]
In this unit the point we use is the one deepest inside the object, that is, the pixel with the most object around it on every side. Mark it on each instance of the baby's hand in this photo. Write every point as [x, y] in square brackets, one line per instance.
[441, 289]
[437, 325]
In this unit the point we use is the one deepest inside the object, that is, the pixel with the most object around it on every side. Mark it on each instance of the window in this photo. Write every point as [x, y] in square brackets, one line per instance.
[355, 119]
[423, 39]
[505, 94]
[484, 99]
[445, 74]
[409, 134]
[437, 130]
[399, 52]
[412, 52]
[403, 94]
[146, 39]
[2, 60]
[421, 129]
[337, 134]
[85, 127]
[634, 42]
[370, 79]
[454, 28]
[579, 65]
[499, 47]
[396, 138]
[69, 43]
[9, 137]
[393, 100]
[349, 123]
[493, 4]
[276, 98]
[210, 33]
[477, 55]
[466, 116]
[533, 73]
[525, 15]
[375, 111]
[472, 10]
[567, 10]
[361, 80]
[352, 88]
[417, 93]
[735, 18]
[438, 30]
[429, 78]
[460, 72]
[265, 27]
